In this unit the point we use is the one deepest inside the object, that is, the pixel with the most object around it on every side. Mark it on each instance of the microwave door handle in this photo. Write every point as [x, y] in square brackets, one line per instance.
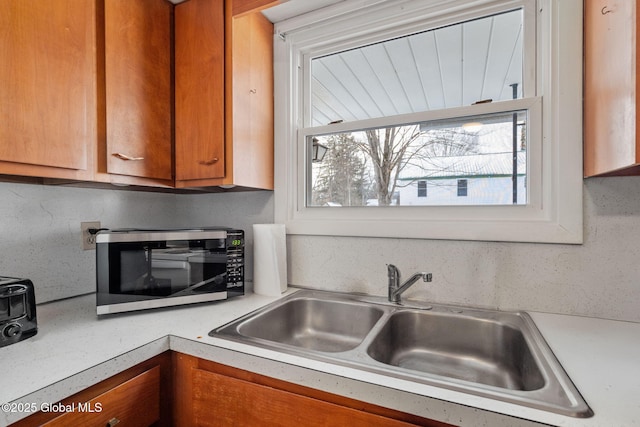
[190, 289]
[170, 264]
[206, 282]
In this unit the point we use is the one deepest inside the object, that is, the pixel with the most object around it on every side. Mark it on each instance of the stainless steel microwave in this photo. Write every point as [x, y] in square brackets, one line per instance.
[139, 269]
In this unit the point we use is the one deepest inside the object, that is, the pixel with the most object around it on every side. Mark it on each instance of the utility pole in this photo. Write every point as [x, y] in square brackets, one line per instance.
[514, 174]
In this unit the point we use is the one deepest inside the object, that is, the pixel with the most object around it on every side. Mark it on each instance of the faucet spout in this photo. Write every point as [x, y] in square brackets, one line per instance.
[395, 288]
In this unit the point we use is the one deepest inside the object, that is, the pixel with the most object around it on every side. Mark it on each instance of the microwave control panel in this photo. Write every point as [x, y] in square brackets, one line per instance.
[235, 259]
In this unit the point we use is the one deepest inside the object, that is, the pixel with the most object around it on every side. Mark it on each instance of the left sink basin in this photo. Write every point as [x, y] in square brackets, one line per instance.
[311, 323]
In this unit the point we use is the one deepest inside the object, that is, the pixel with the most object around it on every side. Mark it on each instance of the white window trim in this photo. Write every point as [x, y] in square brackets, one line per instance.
[554, 210]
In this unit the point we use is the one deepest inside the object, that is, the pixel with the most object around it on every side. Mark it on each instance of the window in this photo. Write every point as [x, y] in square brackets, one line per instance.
[444, 94]
[462, 188]
[359, 170]
[422, 188]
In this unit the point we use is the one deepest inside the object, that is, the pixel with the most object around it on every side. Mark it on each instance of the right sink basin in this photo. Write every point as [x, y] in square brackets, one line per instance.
[466, 348]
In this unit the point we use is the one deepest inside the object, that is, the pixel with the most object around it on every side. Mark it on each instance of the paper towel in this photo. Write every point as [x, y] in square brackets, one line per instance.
[269, 259]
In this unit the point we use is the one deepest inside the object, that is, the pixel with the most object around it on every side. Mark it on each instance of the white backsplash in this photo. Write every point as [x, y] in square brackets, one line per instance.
[40, 239]
[40, 227]
[600, 278]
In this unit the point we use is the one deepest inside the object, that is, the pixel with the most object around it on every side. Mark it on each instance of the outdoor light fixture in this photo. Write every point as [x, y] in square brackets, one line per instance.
[318, 150]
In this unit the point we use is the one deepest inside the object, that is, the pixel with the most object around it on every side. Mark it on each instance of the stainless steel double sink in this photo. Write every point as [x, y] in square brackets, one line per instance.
[494, 354]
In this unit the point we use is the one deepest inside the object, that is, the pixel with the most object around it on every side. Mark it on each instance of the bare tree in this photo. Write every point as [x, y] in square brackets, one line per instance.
[390, 150]
[449, 142]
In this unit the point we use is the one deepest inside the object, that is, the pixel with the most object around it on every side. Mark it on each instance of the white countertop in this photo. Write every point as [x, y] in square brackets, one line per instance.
[75, 349]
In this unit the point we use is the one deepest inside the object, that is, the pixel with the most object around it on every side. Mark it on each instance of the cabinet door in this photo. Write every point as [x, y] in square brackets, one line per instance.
[133, 403]
[250, 112]
[138, 88]
[139, 396]
[210, 394]
[223, 401]
[48, 83]
[199, 90]
[611, 139]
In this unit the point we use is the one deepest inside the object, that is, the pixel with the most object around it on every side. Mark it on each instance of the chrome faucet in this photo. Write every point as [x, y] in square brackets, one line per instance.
[395, 288]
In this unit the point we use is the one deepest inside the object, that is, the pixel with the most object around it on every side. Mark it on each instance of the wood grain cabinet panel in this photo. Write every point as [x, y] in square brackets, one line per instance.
[199, 50]
[250, 106]
[222, 401]
[243, 6]
[224, 95]
[179, 390]
[611, 138]
[136, 402]
[209, 394]
[48, 92]
[140, 92]
[137, 397]
[138, 88]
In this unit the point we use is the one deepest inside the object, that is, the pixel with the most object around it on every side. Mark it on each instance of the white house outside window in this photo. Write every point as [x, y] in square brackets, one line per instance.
[462, 188]
[422, 188]
[414, 94]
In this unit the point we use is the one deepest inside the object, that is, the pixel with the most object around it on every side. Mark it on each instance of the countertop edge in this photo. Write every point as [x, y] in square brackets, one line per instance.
[561, 332]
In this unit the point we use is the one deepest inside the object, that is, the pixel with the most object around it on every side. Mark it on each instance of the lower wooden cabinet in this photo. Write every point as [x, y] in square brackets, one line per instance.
[174, 389]
[138, 397]
[210, 394]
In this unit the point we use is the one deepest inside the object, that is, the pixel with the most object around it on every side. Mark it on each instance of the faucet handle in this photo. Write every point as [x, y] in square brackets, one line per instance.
[393, 274]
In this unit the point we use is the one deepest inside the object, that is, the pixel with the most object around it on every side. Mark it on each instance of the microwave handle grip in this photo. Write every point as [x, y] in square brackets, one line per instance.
[206, 282]
[183, 265]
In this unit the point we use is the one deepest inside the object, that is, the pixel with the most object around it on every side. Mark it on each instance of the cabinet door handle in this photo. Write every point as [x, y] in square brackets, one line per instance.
[208, 162]
[113, 422]
[125, 157]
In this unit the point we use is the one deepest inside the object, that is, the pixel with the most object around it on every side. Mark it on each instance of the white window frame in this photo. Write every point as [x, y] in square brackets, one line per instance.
[553, 213]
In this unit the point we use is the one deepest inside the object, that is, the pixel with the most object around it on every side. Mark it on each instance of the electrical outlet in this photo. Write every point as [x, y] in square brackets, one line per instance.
[88, 239]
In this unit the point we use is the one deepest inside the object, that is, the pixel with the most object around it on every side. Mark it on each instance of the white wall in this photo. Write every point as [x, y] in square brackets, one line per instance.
[40, 227]
[600, 278]
[40, 239]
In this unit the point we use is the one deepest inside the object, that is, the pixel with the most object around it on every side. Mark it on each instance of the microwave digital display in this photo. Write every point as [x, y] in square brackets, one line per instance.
[138, 269]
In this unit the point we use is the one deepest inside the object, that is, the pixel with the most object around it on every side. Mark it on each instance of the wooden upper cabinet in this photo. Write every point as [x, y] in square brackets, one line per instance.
[199, 87]
[611, 139]
[48, 88]
[140, 92]
[138, 88]
[250, 100]
[224, 96]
